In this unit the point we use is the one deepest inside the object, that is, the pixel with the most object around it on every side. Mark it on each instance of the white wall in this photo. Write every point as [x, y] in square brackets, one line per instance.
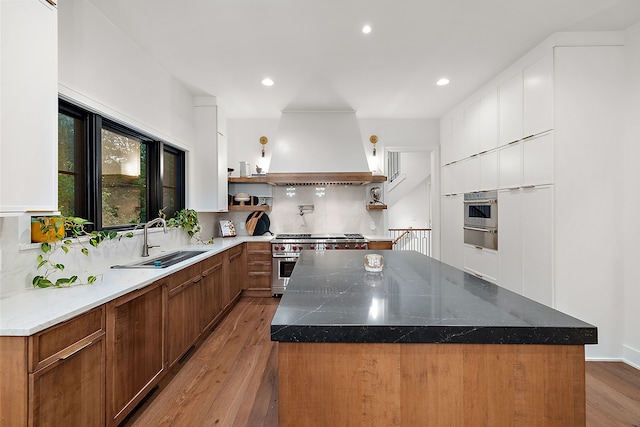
[399, 134]
[243, 142]
[630, 203]
[104, 70]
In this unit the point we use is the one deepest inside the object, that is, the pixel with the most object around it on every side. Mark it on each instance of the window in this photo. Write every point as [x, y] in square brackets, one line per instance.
[393, 165]
[113, 175]
[71, 162]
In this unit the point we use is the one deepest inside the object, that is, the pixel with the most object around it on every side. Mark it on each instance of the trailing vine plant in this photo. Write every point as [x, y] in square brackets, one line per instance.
[187, 219]
[68, 233]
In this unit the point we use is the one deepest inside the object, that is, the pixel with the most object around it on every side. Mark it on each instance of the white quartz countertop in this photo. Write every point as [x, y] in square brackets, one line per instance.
[35, 309]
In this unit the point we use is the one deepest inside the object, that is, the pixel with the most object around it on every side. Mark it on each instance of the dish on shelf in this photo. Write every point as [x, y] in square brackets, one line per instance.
[242, 197]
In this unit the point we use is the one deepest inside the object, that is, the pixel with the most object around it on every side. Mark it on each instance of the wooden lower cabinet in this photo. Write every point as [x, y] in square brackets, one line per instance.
[70, 391]
[135, 348]
[57, 376]
[212, 283]
[259, 266]
[184, 302]
[94, 369]
[236, 272]
[380, 245]
[374, 384]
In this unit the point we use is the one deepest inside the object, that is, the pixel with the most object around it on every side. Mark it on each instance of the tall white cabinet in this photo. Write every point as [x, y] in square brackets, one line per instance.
[557, 171]
[209, 176]
[28, 106]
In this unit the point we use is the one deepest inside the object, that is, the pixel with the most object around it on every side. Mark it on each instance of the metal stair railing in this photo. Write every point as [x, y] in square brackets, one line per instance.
[411, 239]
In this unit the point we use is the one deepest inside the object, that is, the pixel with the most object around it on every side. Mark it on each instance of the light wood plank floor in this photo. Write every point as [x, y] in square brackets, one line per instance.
[231, 380]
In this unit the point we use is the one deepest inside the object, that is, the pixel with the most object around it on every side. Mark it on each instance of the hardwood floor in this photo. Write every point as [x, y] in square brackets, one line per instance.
[613, 394]
[231, 380]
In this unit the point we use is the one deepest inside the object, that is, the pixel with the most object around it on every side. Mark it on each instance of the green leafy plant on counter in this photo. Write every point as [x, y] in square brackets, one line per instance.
[65, 232]
[187, 219]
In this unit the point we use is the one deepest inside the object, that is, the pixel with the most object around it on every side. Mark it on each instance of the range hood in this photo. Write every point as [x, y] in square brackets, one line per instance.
[319, 148]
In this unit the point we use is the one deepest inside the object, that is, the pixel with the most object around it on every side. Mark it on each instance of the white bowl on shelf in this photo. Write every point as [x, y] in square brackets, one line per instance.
[242, 197]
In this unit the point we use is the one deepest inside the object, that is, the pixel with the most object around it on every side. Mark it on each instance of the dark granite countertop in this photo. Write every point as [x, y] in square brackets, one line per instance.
[416, 299]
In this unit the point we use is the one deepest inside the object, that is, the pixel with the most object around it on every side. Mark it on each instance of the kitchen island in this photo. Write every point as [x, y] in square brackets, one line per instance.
[421, 343]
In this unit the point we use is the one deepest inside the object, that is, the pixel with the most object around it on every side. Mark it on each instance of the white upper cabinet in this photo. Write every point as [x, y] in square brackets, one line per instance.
[510, 160]
[537, 159]
[458, 136]
[446, 141]
[471, 138]
[28, 106]
[488, 123]
[538, 96]
[471, 168]
[510, 117]
[489, 171]
[209, 159]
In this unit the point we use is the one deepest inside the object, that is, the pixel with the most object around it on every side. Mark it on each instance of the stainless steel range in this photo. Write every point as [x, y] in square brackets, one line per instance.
[286, 248]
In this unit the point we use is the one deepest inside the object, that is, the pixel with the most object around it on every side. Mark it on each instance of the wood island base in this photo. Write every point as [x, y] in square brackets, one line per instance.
[336, 384]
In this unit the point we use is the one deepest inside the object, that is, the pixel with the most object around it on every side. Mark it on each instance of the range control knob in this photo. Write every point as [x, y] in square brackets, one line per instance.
[337, 247]
[312, 247]
[282, 248]
[346, 246]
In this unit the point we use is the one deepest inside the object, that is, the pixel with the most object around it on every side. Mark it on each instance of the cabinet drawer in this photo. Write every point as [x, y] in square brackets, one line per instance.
[254, 247]
[259, 280]
[211, 264]
[481, 262]
[187, 274]
[235, 252]
[259, 266]
[63, 339]
[258, 256]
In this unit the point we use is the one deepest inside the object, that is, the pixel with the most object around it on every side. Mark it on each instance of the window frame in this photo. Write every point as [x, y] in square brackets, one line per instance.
[94, 122]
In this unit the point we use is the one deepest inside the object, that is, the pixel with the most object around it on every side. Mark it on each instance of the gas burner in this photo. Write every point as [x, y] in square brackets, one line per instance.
[293, 236]
[354, 236]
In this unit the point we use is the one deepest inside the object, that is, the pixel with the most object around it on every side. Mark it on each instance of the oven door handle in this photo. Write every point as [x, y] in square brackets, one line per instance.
[481, 202]
[484, 230]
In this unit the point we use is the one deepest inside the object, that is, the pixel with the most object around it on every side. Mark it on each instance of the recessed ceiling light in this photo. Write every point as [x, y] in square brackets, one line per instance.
[442, 82]
[366, 29]
[267, 81]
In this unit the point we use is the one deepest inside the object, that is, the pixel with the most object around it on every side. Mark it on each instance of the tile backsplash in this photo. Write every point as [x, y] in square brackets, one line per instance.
[329, 209]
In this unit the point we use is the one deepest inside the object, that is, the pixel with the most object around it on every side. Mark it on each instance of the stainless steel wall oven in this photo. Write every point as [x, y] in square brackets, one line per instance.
[481, 219]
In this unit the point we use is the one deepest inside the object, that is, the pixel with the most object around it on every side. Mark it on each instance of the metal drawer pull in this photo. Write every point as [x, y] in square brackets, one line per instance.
[66, 356]
[484, 230]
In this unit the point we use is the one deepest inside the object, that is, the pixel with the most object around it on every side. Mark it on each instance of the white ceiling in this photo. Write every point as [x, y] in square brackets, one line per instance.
[318, 57]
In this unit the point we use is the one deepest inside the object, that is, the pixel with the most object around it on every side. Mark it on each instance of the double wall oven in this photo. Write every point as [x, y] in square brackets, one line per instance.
[481, 219]
[286, 249]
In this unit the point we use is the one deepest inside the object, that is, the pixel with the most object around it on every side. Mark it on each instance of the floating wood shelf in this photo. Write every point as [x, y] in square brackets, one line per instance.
[353, 178]
[376, 207]
[249, 208]
[247, 180]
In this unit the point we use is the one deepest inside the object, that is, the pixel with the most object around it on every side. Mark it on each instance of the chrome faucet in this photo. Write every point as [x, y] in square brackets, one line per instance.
[145, 246]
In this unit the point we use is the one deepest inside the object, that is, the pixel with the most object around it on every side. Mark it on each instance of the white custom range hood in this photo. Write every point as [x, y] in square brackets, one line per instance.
[319, 148]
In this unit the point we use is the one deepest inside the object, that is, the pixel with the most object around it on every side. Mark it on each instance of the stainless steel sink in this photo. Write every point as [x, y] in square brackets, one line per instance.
[163, 261]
